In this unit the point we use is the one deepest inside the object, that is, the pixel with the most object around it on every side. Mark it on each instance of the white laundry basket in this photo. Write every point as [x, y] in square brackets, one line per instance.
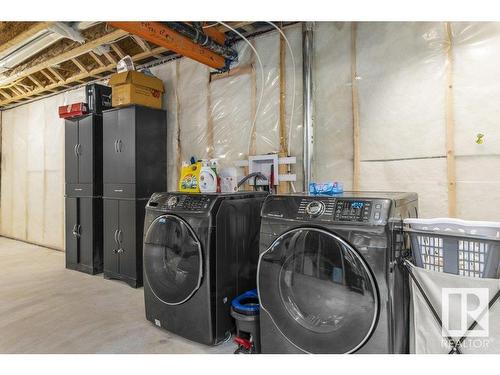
[460, 247]
[452, 254]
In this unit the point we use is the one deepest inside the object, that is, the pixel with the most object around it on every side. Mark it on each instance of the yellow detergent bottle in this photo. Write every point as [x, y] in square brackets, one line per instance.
[190, 178]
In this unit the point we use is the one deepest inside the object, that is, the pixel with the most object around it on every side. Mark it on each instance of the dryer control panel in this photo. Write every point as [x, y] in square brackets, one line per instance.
[352, 210]
[328, 209]
[180, 202]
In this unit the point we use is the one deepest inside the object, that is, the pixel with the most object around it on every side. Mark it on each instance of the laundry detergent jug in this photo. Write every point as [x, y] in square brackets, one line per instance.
[189, 181]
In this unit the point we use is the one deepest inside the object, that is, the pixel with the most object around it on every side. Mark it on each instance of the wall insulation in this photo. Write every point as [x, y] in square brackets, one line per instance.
[398, 106]
[32, 199]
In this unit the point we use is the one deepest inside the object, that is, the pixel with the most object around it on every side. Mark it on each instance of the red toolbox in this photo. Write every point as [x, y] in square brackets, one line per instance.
[73, 110]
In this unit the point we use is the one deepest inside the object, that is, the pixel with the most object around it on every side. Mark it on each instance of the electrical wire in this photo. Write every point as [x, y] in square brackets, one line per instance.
[211, 25]
[261, 80]
[289, 140]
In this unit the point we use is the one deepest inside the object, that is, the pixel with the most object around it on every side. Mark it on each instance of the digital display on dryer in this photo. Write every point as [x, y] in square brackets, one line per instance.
[352, 210]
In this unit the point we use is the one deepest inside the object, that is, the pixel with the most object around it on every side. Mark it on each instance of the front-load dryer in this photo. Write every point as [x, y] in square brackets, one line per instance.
[328, 277]
[200, 252]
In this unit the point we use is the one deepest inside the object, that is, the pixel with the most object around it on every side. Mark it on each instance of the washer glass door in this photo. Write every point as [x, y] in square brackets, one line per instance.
[172, 259]
[319, 291]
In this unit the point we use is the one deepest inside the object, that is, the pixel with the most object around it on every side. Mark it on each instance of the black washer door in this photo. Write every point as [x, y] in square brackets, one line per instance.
[172, 259]
[319, 291]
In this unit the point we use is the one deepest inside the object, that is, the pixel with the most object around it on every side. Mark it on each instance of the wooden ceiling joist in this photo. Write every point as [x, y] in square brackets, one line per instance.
[144, 45]
[161, 35]
[24, 35]
[79, 65]
[16, 90]
[96, 58]
[5, 95]
[110, 58]
[48, 76]
[76, 64]
[68, 55]
[56, 74]
[141, 43]
[118, 50]
[77, 78]
[35, 81]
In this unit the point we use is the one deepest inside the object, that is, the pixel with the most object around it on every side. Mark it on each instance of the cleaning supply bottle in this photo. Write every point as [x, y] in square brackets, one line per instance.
[208, 177]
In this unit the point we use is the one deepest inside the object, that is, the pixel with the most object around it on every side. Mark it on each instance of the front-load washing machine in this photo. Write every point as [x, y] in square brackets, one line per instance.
[200, 252]
[328, 278]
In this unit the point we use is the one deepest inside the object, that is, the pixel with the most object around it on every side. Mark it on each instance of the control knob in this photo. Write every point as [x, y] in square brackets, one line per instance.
[315, 208]
[172, 201]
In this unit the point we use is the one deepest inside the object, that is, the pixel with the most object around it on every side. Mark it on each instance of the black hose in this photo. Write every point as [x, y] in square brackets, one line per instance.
[197, 35]
[257, 175]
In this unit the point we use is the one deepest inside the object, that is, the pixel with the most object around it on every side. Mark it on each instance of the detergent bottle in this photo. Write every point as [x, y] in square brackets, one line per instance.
[189, 181]
[208, 176]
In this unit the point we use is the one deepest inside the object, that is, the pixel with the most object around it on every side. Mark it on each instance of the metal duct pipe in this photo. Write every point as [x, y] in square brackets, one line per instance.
[197, 35]
[307, 76]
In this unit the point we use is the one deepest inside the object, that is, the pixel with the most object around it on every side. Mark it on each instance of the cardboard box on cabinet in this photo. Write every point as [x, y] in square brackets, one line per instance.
[136, 88]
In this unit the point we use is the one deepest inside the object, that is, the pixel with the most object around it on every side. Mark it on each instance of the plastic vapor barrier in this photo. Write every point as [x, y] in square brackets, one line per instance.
[212, 115]
[476, 63]
[32, 199]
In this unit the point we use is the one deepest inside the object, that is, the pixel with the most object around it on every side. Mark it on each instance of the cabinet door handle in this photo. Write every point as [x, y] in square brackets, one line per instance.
[75, 150]
[120, 248]
[116, 145]
[76, 231]
[79, 149]
[120, 237]
[115, 251]
[120, 145]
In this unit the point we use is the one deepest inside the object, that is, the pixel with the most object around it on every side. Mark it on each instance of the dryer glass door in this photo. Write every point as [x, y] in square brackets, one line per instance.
[319, 291]
[172, 259]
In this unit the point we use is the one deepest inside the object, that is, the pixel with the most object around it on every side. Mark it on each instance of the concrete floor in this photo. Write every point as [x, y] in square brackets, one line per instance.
[45, 308]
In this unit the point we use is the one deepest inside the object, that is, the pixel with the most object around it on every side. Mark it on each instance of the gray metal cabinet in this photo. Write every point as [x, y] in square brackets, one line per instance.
[83, 156]
[84, 250]
[123, 231]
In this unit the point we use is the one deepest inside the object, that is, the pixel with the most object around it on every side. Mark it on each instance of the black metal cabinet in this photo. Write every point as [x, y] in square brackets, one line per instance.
[84, 234]
[123, 232]
[134, 149]
[83, 171]
[83, 156]
[134, 167]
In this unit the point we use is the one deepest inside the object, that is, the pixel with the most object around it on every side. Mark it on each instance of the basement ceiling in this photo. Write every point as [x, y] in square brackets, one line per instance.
[86, 52]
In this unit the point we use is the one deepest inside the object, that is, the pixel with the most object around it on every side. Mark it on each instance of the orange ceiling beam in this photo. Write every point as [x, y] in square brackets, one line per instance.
[215, 34]
[163, 36]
